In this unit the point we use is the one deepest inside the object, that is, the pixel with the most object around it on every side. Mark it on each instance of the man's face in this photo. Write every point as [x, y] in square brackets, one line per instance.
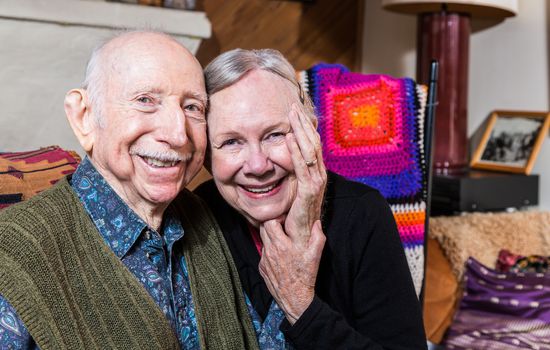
[151, 138]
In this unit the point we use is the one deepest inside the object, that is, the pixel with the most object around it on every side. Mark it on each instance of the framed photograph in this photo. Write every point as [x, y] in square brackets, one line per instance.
[511, 141]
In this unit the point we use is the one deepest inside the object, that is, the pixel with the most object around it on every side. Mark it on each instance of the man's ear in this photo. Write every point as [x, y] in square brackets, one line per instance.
[82, 121]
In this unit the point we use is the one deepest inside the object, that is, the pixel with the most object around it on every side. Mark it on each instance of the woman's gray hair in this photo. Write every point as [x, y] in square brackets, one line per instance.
[230, 67]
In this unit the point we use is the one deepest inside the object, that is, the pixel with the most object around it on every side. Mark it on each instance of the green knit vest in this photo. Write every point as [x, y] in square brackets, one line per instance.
[72, 292]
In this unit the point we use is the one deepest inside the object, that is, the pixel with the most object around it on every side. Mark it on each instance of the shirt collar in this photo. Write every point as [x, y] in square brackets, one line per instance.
[117, 223]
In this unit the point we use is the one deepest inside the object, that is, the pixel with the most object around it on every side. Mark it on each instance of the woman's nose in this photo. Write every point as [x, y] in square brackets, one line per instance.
[258, 161]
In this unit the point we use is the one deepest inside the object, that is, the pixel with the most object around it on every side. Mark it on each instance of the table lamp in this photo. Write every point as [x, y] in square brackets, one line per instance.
[444, 35]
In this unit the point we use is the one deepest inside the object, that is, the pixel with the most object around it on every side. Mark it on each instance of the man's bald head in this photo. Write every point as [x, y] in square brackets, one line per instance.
[115, 52]
[147, 92]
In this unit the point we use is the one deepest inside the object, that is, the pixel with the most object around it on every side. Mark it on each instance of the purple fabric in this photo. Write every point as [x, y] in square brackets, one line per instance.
[501, 311]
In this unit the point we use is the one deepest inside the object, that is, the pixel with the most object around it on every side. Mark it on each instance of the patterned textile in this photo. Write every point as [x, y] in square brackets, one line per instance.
[146, 253]
[269, 335]
[508, 261]
[501, 311]
[13, 333]
[372, 128]
[24, 174]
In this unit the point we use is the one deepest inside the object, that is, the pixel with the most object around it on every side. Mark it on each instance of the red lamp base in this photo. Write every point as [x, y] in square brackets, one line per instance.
[444, 36]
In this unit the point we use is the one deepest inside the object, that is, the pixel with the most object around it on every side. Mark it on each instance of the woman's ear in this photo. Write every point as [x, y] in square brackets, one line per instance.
[82, 121]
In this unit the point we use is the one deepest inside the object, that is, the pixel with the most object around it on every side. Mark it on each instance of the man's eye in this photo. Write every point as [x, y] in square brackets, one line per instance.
[193, 108]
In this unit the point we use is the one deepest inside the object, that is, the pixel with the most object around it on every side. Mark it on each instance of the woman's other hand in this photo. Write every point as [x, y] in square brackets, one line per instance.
[290, 269]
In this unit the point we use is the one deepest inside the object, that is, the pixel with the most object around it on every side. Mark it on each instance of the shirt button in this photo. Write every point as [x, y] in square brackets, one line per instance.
[147, 255]
[147, 234]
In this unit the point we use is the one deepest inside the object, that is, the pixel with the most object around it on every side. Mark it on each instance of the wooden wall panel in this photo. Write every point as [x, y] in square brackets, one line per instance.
[306, 33]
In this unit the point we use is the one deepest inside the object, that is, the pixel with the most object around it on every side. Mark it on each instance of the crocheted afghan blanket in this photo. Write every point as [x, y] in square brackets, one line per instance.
[372, 130]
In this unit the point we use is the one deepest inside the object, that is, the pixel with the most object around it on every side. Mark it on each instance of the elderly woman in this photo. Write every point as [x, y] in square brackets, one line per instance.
[269, 190]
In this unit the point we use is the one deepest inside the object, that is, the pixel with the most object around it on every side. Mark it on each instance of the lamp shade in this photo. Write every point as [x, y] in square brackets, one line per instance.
[476, 8]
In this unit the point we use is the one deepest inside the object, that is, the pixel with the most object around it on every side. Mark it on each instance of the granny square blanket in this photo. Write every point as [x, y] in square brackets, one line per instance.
[372, 131]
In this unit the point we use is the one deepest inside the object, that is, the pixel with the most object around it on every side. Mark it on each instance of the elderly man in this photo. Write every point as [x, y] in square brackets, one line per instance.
[117, 256]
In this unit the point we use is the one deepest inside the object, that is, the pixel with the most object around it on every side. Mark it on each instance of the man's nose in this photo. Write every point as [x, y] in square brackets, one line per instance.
[174, 128]
[258, 161]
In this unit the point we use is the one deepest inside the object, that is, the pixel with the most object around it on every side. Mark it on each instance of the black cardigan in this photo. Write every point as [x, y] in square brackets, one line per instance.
[365, 297]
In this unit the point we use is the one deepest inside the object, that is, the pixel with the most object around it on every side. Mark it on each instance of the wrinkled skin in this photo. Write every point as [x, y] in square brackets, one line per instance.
[260, 141]
[148, 139]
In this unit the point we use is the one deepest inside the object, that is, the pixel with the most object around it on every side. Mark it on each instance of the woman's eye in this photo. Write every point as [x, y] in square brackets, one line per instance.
[230, 142]
[145, 100]
[275, 135]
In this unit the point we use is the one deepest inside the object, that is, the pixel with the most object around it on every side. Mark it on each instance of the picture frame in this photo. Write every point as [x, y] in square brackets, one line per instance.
[511, 141]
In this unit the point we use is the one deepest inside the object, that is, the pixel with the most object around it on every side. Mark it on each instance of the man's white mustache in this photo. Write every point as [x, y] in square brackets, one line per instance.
[164, 156]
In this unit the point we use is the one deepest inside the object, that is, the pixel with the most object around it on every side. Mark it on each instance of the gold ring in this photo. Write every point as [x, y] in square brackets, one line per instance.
[311, 162]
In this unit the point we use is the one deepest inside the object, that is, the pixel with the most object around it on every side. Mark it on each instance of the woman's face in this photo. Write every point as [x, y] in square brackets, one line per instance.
[250, 161]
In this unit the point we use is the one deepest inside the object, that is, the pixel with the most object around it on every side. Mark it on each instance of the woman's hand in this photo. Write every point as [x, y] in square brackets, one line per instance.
[289, 269]
[305, 149]
[291, 256]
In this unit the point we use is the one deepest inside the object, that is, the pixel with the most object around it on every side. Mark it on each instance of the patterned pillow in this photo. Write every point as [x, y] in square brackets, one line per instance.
[508, 261]
[24, 174]
[501, 310]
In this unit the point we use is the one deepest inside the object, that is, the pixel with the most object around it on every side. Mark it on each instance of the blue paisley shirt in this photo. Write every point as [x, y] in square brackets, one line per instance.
[148, 254]
[268, 333]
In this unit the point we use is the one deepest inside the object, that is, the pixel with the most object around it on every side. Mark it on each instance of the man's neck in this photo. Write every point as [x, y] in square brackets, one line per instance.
[151, 213]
